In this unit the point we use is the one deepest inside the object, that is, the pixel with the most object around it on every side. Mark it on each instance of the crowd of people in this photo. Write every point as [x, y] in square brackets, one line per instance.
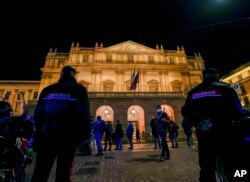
[68, 100]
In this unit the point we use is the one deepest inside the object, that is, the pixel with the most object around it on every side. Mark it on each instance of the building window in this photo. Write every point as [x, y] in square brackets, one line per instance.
[108, 88]
[1, 92]
[243, 90]
[35, 95]
[171, 60]
[151, 59]
[246, 101]
[109, 58]
[130, 59]
[85, 58]
[20, 96]
[7, 95]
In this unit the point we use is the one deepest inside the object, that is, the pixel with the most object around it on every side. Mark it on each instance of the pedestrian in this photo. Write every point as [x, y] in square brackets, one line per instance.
[173, 133]
[162, 125]
[156, 136]
[213, 108]
[130, 132]
[118, 135]
[98, 129]
[5, 116]
[138, 135]
[108, 135]
[187, 127]
[62, 122]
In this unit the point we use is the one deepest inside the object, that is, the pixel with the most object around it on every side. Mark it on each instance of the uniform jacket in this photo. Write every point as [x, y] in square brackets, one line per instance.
[212, 99]
[63, 110]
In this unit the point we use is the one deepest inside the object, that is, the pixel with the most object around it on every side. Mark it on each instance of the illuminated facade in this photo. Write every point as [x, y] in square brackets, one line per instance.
[165, 76]
[18, 93]
[239, 79]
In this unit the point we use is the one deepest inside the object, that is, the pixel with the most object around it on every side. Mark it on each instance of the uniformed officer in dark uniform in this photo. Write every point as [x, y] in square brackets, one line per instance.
[213, 108]
[62, 122]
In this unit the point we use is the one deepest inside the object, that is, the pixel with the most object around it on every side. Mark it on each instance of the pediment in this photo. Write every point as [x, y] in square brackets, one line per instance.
[108, 82]
[129, 46]
[84, 82]
[176, 82]
[153, 82]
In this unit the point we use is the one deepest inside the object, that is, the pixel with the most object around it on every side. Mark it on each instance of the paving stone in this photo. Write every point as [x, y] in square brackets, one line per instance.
[142, 164]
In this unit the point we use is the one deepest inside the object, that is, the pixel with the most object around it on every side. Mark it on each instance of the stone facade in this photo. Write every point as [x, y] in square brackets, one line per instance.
[165, 76]
[19, 93]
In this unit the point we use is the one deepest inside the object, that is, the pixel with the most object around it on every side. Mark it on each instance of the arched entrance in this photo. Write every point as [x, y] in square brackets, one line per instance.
[106, 112]
[136, 115]
[169, 110]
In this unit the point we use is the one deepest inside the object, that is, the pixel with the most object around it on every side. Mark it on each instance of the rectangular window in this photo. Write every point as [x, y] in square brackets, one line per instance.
[7, 95]
[35, 95]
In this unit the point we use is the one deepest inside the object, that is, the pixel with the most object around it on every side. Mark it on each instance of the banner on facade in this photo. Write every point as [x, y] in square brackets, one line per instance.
[134, 80]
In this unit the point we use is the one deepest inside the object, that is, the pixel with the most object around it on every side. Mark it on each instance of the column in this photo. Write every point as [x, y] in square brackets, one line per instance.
[27, 94]
[168, 86]
[93, 81]
[143, 81]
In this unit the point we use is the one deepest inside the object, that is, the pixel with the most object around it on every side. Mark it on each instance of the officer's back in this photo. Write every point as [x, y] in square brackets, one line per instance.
[212, 99]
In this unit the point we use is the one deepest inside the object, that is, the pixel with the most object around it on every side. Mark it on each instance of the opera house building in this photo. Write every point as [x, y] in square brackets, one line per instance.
[163, 77]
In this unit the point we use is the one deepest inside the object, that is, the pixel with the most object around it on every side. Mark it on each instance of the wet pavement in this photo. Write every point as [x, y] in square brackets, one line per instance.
[142, 164]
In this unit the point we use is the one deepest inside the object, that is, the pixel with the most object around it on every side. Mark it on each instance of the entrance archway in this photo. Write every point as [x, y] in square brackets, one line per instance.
[106, 112]
[136, 115]
[169, 110]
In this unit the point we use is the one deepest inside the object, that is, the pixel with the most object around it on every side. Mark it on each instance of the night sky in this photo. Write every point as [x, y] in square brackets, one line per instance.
[218, 29]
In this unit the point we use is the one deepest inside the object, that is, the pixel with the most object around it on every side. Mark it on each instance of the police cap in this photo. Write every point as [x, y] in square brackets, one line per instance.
[210, 70]
[68, 69]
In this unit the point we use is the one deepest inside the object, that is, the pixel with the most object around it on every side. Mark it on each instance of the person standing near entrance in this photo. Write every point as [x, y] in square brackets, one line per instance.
[130, 132]
[118, 135]
[98, 129]
[62, 122]
[156, 136]
[173, 133]
[162, 125]
[138, 135]
[108, 135]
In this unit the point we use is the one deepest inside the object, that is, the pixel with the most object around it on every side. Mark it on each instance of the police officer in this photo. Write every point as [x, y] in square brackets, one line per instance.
[213, 107]
[62, 122]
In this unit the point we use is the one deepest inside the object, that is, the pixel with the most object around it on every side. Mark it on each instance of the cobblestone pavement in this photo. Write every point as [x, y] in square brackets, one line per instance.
[142, 164]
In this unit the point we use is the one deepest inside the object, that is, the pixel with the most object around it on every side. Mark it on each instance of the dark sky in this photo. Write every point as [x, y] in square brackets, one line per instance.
[218, 29]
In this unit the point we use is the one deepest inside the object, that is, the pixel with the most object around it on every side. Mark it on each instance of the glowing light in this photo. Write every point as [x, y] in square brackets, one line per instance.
[106, 111]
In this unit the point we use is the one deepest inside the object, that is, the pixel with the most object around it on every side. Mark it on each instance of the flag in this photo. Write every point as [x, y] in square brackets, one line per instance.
[134, 80]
